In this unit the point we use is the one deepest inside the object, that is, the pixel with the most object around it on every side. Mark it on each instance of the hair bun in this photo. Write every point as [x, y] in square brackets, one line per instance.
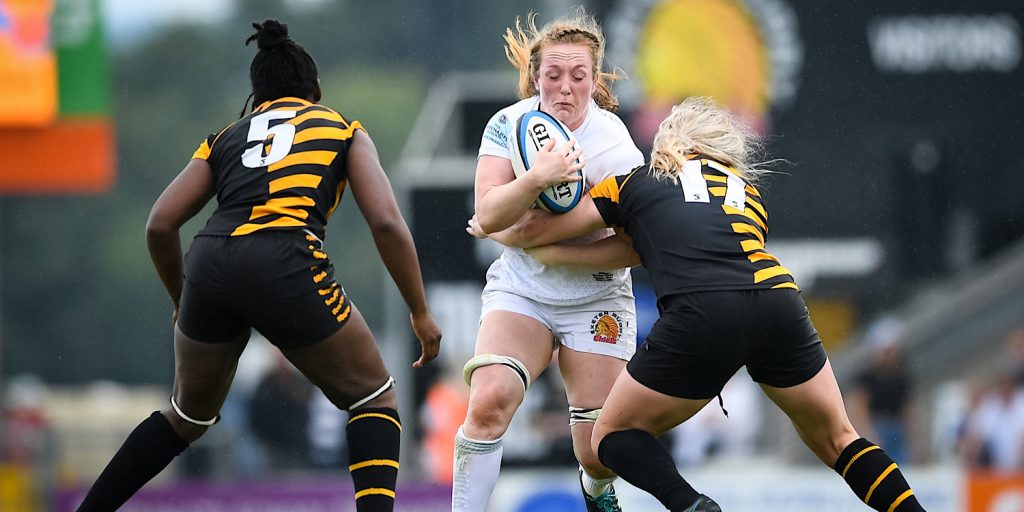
[269, 34]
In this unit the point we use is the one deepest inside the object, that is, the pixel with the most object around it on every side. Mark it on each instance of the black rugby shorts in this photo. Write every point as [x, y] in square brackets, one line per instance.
[280, 283]
[701, 339]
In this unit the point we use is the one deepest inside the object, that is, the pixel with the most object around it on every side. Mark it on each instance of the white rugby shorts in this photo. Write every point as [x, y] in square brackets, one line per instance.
[606, 327]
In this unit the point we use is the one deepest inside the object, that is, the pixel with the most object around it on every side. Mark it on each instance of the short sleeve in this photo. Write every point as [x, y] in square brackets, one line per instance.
[625, 156]
[203, 152]
[606, 198]
[497, 137]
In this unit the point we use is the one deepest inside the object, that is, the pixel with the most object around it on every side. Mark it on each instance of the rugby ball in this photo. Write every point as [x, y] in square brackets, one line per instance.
[532, 132]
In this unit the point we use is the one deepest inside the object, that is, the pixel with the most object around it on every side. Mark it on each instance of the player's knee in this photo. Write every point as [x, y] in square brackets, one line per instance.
[828, 441]
[388, 399]
[587, 457]
[494, 402]
[369, 394]
[595, 440]
[839, 441]
[491, 407]
[495, 387]
[187, 431]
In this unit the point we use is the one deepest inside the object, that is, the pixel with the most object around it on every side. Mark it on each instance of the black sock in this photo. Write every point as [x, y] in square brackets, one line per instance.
[147, 451]
[641, 460]
[875, 478]
[374, 436]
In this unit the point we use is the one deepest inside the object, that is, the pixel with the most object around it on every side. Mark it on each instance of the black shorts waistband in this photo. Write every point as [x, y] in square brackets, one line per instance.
[669, 301]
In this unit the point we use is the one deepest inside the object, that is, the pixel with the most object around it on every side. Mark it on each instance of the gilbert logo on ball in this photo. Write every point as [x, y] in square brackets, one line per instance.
[532, 132]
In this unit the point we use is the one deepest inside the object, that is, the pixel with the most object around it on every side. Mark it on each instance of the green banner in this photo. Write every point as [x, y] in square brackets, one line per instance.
[82, 66]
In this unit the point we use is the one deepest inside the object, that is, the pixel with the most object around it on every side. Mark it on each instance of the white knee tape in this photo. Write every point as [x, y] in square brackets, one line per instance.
[182, 415]
[581, 415]
[514, 364]
[380, 391]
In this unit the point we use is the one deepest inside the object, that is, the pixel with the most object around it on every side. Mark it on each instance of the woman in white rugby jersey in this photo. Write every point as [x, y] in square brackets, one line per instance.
[530, 310]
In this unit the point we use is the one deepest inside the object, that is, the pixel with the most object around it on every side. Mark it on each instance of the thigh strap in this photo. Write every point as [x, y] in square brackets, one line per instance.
[512, 363]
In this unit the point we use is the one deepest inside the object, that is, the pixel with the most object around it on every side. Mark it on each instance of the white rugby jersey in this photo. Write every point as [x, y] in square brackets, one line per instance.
[608, 150]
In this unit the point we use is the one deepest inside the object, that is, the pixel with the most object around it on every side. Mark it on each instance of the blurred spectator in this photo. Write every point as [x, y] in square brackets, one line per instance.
[993, 433]
[879, 402]
[712, 434]
[443, 411]
[25, 428]
[992, 436]
[326, 432]
[279, 415]
[1015, 354]
[970, 448]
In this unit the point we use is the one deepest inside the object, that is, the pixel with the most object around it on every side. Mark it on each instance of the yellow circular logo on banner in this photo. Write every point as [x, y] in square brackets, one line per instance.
[745, 54]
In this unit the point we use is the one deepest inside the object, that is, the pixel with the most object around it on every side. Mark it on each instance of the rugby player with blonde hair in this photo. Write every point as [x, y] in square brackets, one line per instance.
[698, 224]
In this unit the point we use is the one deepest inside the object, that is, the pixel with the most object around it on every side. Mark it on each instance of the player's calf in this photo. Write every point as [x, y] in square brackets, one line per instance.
[641, 460]
[147, 451]
[374, 437]
[875, 478]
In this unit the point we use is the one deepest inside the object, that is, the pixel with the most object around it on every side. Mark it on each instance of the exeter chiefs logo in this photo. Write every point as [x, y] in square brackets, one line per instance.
[606, 327]
[749, 54]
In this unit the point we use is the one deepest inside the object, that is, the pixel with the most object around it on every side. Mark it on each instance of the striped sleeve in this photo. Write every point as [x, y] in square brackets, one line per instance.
[606, 198]
[203, 151]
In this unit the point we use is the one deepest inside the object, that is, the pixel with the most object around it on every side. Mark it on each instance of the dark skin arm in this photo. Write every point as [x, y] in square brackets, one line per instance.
[182, 199]
[376, 200]
[178, 203]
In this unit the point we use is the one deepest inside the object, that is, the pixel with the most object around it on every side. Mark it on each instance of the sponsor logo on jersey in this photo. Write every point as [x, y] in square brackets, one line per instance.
[606, 326]
[496, 133]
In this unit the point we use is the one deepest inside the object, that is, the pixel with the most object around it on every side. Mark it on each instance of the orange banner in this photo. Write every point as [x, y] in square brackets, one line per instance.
[71, 156]
[28, 65]
[993, 492]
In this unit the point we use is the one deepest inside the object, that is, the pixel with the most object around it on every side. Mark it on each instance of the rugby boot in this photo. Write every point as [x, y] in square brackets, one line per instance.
[703, 504]
[605, 502]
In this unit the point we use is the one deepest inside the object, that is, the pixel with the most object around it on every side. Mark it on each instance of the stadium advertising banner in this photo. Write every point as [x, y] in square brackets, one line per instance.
[306, 495]
[887, 115]
[28, 64]
[755, 486]
[56, 134]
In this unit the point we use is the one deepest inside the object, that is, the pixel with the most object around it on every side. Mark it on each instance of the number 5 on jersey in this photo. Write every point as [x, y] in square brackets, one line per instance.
[278, 139]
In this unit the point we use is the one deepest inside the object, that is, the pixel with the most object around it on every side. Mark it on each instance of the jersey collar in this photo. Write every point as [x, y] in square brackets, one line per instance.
[287, 99]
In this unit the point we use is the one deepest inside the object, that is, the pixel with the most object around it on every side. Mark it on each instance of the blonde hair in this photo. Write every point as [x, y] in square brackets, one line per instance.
[523, 48]
[699, 126]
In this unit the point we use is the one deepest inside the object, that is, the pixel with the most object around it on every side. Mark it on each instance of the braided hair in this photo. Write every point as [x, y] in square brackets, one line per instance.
[282, 67]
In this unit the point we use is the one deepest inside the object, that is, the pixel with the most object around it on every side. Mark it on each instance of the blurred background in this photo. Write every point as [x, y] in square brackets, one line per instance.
[898, 206]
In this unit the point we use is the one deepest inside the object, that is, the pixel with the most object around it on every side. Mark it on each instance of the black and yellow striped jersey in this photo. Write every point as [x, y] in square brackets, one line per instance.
[281, 167]
[704, 230]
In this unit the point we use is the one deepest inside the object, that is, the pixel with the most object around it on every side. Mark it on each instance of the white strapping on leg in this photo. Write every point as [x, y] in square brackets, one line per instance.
[380, 391]
[182, 415]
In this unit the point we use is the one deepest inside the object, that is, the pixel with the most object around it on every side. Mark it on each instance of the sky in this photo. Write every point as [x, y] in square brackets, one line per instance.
[127, 20]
